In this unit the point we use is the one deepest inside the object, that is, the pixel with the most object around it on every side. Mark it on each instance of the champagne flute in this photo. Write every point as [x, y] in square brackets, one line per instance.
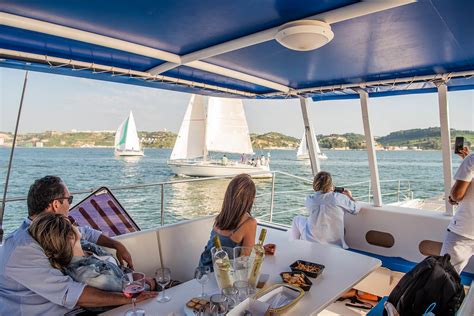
[133, 284]
[201, 274]
[163, 277]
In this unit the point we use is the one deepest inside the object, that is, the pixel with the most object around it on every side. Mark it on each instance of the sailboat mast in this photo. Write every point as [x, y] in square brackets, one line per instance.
[204, 150]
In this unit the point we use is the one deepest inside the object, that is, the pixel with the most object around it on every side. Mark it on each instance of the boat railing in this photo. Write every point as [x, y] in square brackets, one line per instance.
[278, 199]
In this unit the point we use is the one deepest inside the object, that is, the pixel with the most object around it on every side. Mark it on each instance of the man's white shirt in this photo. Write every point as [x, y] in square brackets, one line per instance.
[462, 222]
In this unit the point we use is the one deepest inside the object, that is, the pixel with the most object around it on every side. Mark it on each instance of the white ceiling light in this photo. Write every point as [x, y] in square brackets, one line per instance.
[304, 35]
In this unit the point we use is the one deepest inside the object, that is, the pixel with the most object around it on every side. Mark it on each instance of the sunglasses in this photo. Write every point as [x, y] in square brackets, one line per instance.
[69, 199]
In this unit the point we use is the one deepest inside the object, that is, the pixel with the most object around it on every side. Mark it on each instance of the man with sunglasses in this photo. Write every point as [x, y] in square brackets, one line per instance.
[29, 285]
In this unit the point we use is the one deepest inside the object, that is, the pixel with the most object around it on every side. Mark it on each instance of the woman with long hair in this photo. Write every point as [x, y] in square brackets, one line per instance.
[326, 209]
[234, 225]
[83, 261]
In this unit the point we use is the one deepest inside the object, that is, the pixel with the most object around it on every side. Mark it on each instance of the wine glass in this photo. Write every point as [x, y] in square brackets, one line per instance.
[163, 277]
[133, 284]
[218, 305]
[201, 274]
[242, 290]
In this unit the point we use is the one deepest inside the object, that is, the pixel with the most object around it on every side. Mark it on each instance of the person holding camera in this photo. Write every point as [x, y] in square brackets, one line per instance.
[459, 240]
[326, 208]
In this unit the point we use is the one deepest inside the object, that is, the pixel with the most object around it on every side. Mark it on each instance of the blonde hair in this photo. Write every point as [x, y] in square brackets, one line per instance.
[238, 200]
[323, 182]
[54, 233]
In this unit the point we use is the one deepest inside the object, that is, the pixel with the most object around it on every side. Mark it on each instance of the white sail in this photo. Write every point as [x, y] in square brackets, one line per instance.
[227, 130]
[190, 142]
[119, 134]
[132, 142]
[302, 148]
[303, 152]
[127, 142]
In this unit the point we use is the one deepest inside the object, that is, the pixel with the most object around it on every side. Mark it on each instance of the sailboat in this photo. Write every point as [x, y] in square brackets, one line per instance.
[127, 142]
[303, 154]
[218, 126]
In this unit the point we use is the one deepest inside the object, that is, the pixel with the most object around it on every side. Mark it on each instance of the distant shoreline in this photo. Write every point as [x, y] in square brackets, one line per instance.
[411, 140]
[256, 149]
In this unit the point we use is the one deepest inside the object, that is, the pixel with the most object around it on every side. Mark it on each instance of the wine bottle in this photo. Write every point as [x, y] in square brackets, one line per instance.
[222, 265]
[259, 252]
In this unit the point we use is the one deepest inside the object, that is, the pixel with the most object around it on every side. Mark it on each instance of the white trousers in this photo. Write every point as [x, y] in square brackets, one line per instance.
[459, 248]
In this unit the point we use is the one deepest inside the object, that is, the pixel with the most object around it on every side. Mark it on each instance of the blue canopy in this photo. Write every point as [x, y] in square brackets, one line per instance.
[402, 44]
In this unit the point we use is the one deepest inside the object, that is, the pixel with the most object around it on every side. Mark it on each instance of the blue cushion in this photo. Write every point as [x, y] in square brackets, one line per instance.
[402, 265]
[378, 309]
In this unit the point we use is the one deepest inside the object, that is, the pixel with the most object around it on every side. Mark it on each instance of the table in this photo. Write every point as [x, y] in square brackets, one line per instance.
[344, 269]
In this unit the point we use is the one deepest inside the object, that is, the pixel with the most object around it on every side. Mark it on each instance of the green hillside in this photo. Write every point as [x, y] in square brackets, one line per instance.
[427, 138]
[348, 140]
[273, 140]
[157, 139]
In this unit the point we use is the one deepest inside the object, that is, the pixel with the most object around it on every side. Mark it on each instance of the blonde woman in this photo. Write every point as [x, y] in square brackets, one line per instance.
[234, 225]
[326, 209]
[83, 261]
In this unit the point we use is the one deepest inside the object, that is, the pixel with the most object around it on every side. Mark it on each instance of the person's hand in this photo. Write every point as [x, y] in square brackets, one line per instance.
[151, 282]
[146, 295]
[347, 192]
[451, 201]
[269, 249]
[123, 255]
[463, 153]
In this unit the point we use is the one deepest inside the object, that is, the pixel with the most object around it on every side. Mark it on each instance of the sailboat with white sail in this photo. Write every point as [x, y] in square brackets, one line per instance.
[218, 125]
[303, 154]
[127, 142]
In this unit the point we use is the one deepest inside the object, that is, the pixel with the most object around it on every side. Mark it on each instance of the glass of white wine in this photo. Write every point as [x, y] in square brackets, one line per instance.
[163, 277]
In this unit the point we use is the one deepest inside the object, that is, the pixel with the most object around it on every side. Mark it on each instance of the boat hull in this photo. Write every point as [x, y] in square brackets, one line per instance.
[213, 169]
[129, 153]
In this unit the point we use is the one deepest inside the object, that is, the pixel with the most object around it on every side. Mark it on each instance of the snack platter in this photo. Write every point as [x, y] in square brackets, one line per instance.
[311, 269]
[298, 279]
[195, 305]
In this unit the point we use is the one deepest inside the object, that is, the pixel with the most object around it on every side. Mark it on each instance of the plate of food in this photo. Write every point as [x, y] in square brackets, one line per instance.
[311, 269]
[196, 305]
[297, 279]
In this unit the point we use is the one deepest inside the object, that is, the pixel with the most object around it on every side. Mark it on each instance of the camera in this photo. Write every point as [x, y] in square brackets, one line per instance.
[339, 189]
[458, 144]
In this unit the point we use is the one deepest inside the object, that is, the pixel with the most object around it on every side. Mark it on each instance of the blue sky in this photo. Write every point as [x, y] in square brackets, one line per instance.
[64, 103]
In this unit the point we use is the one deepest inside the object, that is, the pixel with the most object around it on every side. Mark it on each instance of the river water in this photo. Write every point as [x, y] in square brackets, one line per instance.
[420, 172]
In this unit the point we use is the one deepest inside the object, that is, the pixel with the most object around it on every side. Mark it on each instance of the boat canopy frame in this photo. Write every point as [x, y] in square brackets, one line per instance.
[241, 58]
[237, 59]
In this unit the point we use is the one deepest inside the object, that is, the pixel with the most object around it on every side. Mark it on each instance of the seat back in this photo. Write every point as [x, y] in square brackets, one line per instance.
[103, 212]
[144, 249]
[181, 246]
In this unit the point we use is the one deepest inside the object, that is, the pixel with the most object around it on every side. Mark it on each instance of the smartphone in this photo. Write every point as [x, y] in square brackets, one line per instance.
[339, 189]
[458, 144]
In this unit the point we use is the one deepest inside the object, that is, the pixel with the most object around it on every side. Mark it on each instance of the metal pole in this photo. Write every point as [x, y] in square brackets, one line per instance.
[2, 209]
[370, 143]
[445, 144]
[162, 204]
[310, 138]
[272, 197]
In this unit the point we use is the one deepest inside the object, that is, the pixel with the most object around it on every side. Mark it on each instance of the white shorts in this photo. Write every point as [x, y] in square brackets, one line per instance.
[459, 248]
